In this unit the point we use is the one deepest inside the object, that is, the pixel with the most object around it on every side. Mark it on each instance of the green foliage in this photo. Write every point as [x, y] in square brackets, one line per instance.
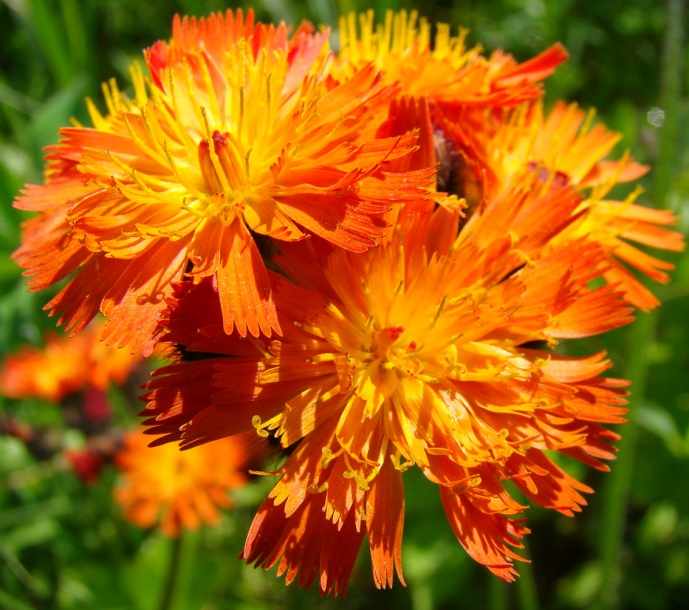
[64, 545]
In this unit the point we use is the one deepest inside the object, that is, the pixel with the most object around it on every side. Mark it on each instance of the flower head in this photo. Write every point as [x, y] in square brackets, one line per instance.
[237, 132]
[417, 353]
[563, 148]
[177, 489]
[480, 151]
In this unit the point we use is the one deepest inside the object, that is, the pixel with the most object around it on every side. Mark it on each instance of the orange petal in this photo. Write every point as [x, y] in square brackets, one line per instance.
[484, 536]
[533, 70]
[55, 195]
[385, 524]
[305, 544]
[246, 297]
[136, 300]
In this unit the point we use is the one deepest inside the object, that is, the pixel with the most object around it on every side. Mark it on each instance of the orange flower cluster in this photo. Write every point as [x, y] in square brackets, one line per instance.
[369, 256]
[65, 366]
[177, 489]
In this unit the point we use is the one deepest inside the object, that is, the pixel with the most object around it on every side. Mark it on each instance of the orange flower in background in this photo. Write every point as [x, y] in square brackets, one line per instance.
[65, 365]
[238, 131]
[177, 489]
[563, 148]
[416, 353]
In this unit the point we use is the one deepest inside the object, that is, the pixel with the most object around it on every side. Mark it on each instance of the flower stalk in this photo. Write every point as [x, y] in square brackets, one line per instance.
[643, 331]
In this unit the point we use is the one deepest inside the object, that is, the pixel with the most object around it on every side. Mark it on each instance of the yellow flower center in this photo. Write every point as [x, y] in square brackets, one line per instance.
[227, 175]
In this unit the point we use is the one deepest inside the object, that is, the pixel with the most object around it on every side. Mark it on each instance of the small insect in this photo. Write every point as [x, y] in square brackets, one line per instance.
[455, 175]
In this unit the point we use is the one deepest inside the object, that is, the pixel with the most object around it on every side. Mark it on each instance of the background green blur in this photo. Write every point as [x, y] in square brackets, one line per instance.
[64, 544]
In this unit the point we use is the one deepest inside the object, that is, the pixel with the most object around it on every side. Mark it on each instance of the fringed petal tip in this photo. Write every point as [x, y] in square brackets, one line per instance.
[305, 546]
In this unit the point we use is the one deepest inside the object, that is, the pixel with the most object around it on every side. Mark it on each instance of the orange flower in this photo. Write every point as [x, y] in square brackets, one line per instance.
[65, 365]
[481, 150]
[178, 489]
[418, 352]
[237, 130]
[562, 147]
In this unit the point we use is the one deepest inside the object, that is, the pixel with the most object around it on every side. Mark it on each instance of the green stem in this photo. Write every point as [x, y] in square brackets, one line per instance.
[497, 593]
[527, 592]
[642, 333]
[173, 575]
[619, 481]
[670, 93]
[50, 35]
[421, 596]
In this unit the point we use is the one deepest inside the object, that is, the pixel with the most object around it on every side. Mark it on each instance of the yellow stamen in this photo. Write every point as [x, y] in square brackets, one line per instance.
[434, 321]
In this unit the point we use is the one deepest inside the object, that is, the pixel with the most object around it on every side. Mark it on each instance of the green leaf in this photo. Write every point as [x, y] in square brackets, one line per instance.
[34, 534]
[656, 420]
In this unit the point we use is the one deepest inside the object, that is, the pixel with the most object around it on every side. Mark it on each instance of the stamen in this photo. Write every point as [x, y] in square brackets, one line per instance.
[260, 346]
[481, 299]
[427, 378]
[241, 113]
[590, 115]
[462, 485]
[321, 358]
[438, 451]
[434, 321]
[330, 456]
[399, 465]
[209, 135]
[173, 91]
[314, 489]
[312, 330]
[463, 297]
[334, 310]
[170, 160]
[269, 100]
[147, 122]
[248, 167]
[256, 423]
[361, 481]
[415, 352]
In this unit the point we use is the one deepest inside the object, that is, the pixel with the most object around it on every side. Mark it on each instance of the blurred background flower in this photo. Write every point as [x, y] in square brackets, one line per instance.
[66, 365]
[74, 374]
[179, 490]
